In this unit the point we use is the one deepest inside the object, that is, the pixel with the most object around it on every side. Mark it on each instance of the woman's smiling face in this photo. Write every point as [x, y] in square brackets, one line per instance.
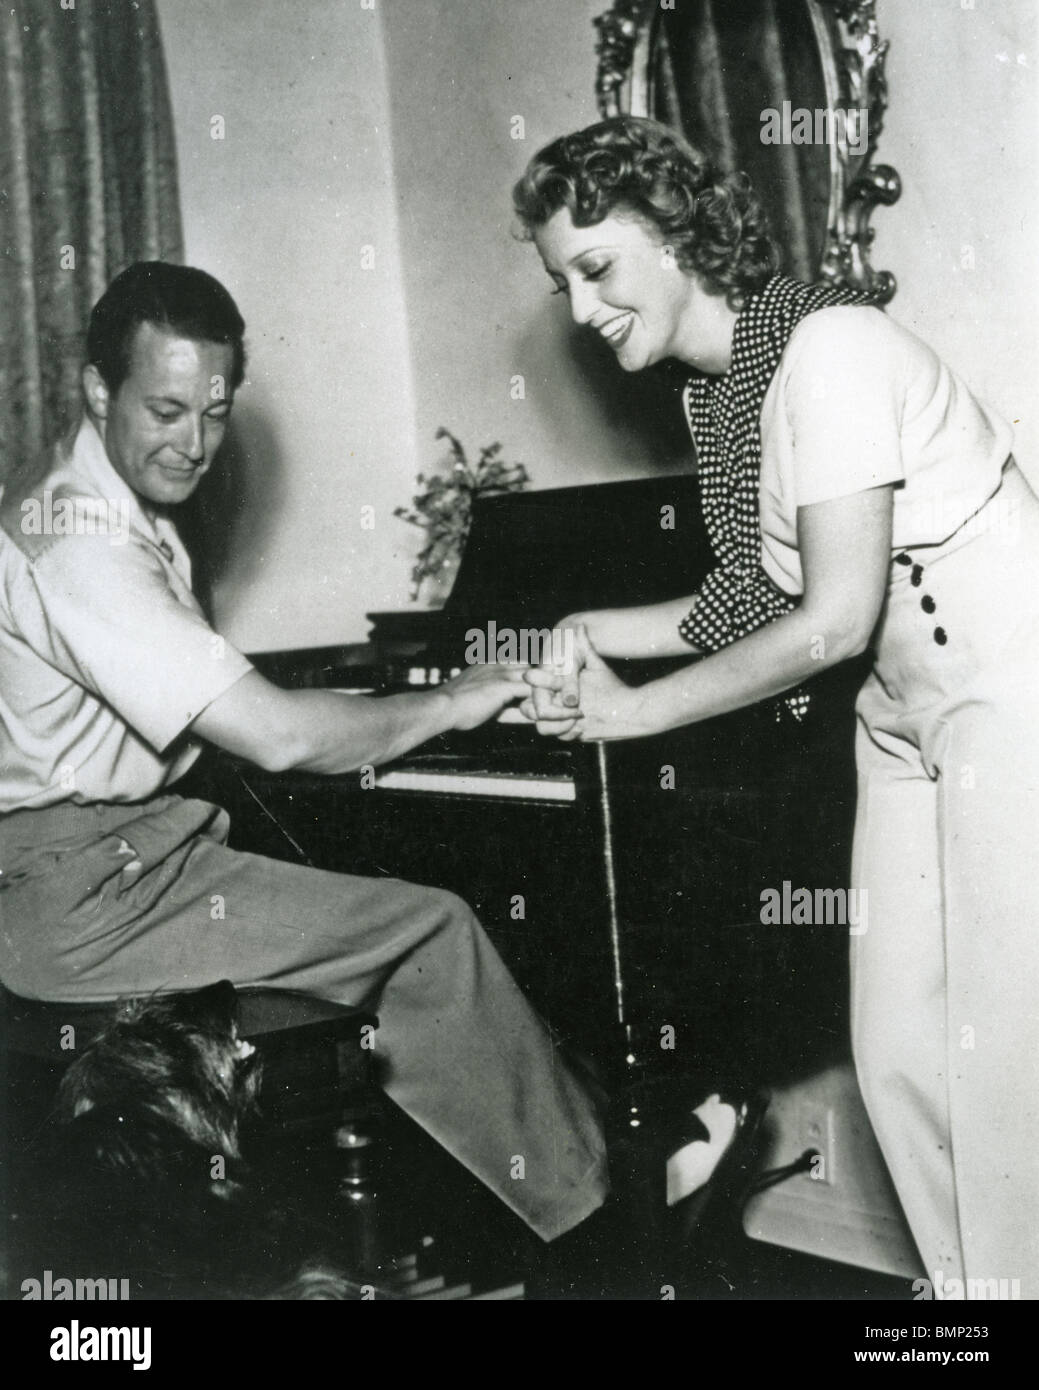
[624, 282]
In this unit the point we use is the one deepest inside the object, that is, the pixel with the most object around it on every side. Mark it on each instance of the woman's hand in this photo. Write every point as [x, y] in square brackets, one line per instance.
[608, 709]
[556, 685]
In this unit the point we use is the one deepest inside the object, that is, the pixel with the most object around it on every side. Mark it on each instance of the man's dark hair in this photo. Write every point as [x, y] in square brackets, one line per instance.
[176, 297]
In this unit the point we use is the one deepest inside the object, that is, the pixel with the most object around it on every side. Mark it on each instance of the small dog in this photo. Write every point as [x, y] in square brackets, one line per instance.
[142, 1172]
[164, 1090]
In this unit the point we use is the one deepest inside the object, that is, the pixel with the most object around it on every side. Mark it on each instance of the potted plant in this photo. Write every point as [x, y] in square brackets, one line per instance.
[443, 508]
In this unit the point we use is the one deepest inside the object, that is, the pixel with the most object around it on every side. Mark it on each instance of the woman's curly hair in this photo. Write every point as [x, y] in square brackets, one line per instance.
[714, 221]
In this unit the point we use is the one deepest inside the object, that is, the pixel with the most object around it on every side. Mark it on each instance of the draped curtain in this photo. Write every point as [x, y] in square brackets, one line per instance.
[716, 66]
[88, 185]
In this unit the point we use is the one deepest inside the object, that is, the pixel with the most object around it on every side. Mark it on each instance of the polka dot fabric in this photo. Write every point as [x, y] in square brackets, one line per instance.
[738, 597]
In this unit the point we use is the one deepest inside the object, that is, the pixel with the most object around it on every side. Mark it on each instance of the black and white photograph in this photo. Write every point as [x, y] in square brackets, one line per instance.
[519, 665]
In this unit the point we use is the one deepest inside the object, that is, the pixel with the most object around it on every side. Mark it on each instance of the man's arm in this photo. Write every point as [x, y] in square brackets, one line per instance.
[324, 731]
[119, 629]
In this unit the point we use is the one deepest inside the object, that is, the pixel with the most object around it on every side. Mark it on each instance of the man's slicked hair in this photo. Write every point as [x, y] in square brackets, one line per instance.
[179, 298]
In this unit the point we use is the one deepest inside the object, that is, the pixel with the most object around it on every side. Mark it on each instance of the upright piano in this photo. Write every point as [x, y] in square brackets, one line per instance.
[622, 882]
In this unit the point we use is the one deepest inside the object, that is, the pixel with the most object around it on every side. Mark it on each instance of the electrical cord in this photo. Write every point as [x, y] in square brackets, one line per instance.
[773, 1176]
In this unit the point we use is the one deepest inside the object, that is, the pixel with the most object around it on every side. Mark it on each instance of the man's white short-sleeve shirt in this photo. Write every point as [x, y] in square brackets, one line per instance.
[105, 655]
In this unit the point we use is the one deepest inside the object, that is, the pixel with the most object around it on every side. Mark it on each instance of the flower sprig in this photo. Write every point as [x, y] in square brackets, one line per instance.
[443, 508]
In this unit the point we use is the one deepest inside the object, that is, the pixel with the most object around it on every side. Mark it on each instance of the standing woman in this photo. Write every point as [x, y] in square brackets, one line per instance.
[857, 496]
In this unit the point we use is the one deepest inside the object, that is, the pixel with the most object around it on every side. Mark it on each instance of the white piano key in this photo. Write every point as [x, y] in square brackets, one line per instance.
[520, 786]
[423, 1288]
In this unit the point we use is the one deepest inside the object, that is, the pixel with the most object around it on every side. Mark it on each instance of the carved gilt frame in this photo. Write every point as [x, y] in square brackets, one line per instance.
[852, 59]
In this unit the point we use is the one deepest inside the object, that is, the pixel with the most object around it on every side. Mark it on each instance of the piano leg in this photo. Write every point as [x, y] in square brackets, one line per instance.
[652, 1114]
[636, 1141]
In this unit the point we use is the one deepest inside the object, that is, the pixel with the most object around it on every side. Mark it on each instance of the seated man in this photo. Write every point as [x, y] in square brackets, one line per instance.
[109, 678]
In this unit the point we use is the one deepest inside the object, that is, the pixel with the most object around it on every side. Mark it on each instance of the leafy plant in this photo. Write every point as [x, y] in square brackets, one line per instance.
[444, 506]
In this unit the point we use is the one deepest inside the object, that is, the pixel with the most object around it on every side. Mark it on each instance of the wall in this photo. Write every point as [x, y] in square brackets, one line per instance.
[961, 131]
[280, 209]
[846, 1208]
[466, 79]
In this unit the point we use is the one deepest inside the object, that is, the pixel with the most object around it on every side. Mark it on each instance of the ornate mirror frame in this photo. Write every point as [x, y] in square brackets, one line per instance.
[852, 59]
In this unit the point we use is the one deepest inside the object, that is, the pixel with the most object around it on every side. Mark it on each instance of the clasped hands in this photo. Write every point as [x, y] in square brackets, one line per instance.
[580, 700]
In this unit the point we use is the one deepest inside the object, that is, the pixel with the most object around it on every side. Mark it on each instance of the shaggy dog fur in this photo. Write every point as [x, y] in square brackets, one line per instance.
[141, 1174]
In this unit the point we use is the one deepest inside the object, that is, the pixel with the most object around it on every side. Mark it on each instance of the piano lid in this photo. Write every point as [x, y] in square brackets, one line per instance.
[533, 557]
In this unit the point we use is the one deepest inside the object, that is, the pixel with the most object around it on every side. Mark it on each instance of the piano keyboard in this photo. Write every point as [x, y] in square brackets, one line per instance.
[423, 775]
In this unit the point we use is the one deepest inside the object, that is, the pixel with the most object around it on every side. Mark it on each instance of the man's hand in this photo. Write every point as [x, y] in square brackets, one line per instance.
[481, 692]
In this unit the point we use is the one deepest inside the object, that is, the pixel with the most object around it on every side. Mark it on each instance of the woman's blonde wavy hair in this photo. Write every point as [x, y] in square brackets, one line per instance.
[629, 164]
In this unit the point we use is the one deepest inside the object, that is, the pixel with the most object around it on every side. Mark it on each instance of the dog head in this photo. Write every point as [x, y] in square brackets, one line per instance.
[169, 1078]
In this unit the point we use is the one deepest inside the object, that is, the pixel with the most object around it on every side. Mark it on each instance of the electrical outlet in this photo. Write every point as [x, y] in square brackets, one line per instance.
[817, 1132]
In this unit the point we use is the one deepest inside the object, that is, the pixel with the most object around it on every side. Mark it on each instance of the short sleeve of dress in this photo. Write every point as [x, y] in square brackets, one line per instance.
[114, 625]
[842, 387]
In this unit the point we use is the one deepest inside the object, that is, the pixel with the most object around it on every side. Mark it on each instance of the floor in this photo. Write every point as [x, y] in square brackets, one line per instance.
[455, 1240]
[442, 1235]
